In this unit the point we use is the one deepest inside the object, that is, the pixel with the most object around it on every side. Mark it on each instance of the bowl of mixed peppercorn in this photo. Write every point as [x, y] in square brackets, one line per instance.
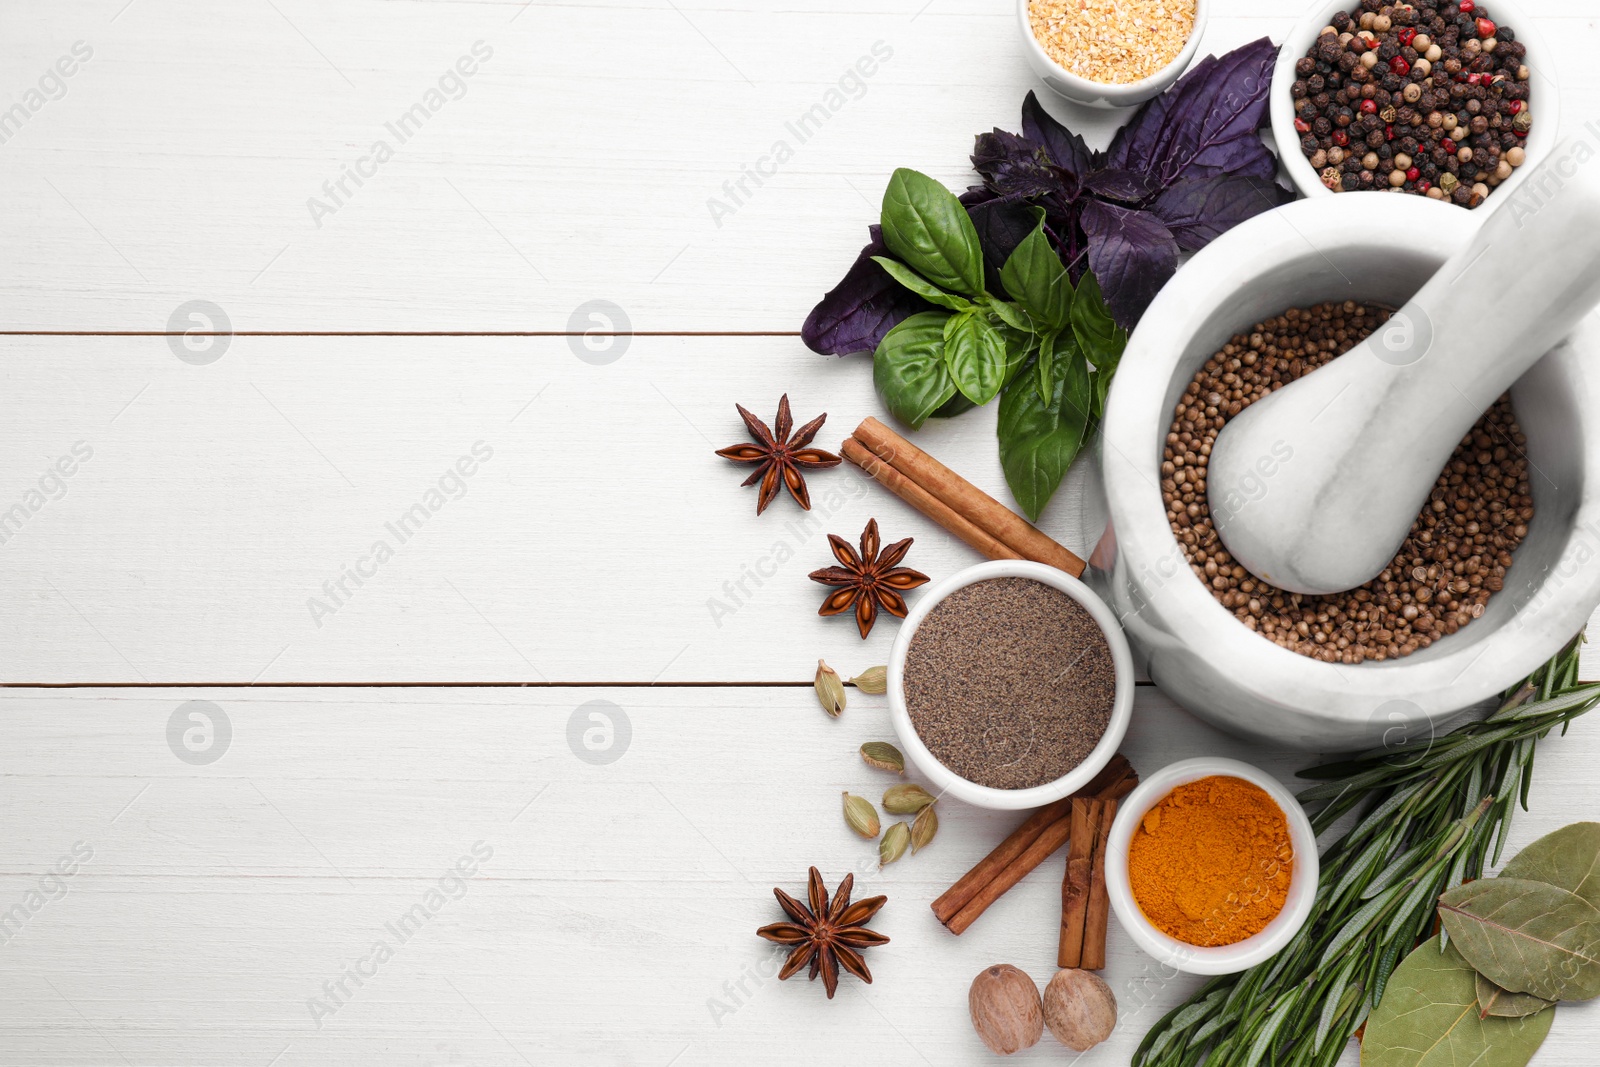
[1443, 100]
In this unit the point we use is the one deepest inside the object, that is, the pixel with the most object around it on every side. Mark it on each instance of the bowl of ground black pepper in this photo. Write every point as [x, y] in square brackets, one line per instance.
[1010, 684]
[1452, 100]
[1498, 573]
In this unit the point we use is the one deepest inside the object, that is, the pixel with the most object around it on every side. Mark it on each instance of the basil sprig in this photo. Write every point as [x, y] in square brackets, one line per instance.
[1046, 348]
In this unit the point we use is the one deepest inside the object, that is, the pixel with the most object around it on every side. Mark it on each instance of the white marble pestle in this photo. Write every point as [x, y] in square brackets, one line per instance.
[1315, 487]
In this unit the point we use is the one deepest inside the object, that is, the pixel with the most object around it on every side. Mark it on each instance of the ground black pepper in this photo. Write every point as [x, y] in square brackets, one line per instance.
[1455, 557]
[1430, 99]
[1010, 683]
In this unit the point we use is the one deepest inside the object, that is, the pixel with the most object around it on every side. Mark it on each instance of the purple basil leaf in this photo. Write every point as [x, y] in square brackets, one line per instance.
[1199, 210]
[1243, 155]
[1013, 165]
[1064, 148]
[1132, 255]
[1218, 101]
[865, 305]
[1001, 224]
[1126, 186]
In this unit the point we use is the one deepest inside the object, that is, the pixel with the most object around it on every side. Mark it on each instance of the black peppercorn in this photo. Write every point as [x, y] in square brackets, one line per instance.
[1316, 83]
[1321, 100]
[1376, 139]
[1505, 35]
[1322, 127]
[1462, 195]
[1305, 67]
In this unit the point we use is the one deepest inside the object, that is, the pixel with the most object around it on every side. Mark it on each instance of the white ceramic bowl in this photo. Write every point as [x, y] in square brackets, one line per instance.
[946, 780]
[1080, 90]
[1225, 959]
[1545, 99]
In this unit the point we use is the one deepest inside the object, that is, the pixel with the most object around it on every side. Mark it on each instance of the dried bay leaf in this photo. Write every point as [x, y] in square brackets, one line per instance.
[1504, 1004]
[1429, 1017]
[1527, 937]
[1569, 858]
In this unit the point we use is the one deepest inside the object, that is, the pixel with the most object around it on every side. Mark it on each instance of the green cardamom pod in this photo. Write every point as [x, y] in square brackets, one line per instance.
[861, 816]
[874, 680]
[906, 799]
[894, 843]
[830, 690]
[884, 756]
[923, 828]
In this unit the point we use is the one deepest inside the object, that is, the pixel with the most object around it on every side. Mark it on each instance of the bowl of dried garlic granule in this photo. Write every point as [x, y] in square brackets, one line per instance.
[1110, 53]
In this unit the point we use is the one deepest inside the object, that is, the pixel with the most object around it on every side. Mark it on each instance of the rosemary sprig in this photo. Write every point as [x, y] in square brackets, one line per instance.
[1430, 815]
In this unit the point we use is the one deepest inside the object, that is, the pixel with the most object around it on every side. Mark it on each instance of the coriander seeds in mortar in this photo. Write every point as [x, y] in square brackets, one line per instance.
[1010, 683]
[1455, 557]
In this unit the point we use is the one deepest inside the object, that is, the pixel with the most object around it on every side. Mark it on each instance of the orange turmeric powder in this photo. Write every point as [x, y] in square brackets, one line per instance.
[1210, 864]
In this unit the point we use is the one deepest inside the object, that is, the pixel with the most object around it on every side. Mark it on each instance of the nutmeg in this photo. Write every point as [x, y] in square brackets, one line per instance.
[1080, 1009]
[1006, 1010]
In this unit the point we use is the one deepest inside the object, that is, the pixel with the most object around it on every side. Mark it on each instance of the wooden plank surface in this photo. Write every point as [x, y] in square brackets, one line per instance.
[602, 540]
[578, 163]
[611, 924]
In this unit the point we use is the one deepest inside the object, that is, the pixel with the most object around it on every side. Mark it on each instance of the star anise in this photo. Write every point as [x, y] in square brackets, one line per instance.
[781, 457]
[868, 581]
[826, 935]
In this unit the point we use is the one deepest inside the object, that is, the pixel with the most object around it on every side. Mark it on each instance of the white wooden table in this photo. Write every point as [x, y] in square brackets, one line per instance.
[365, 339]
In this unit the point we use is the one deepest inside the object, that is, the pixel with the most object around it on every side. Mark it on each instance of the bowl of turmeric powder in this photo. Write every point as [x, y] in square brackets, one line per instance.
[1212, 866]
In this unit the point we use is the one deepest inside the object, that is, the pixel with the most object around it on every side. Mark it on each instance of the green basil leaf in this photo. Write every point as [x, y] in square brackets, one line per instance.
[1046, 367]
[956, 405]
[1039, 440]
[1010, 314]
[1429, 1017]
[1569, 858]
[920, 285]
[975, 355]
[1020, 344]
[1099, 337]
[1035, 278]
[926, 226]
[908, 368]
[1526, 937]
[1503, 1004]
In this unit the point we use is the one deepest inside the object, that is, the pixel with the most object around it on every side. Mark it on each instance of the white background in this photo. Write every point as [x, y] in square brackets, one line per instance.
[372, 347]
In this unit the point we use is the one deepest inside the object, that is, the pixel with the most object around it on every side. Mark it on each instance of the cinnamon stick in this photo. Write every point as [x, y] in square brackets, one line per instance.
[964, 498]
[1099, 914]
[925, 502]
[1029, 845]
[1075, 886]
[1017, 842]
